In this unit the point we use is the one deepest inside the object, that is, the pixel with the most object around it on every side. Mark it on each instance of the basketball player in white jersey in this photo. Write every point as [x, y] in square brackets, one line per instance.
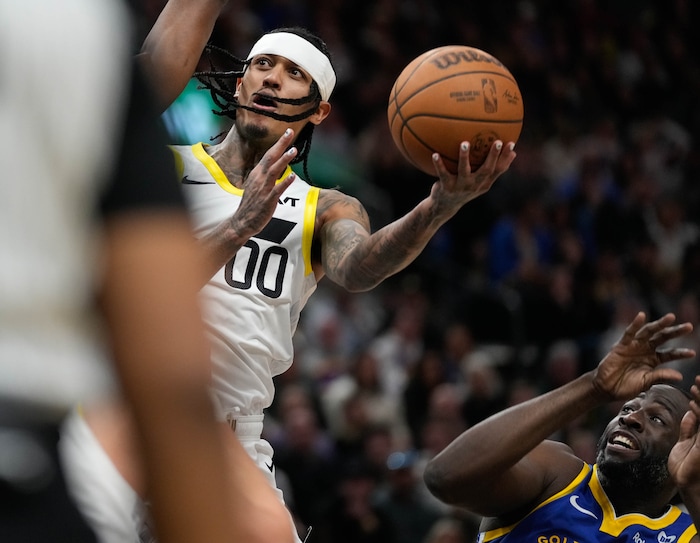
[270, 236]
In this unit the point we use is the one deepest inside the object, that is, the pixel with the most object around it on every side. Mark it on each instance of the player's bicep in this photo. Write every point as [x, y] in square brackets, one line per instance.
[343, 226]
[549, 468]
[339, 241]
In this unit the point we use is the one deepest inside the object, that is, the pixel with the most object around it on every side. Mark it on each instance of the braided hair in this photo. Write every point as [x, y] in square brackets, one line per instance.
[222, 86]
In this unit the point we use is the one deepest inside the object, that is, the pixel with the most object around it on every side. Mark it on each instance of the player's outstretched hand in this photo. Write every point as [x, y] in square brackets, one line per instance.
[452, 191]
[633, 363]
[684, 460]
[261, 190]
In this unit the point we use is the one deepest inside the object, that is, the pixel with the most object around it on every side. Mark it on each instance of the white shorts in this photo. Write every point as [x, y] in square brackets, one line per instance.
[107, 501]
[248, 429]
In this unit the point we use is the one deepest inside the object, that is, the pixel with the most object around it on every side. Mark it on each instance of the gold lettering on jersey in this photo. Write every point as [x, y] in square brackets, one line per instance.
[453, 58]
[555, 539]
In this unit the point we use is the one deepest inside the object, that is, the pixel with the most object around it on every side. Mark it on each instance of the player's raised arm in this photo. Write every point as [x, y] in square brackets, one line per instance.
[174, 45]
[684, 460]
[359, 261]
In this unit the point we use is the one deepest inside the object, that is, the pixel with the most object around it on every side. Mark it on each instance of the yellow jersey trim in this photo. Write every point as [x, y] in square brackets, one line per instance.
[200, 153]
[308, 227]
[614, 525]
[499, 532]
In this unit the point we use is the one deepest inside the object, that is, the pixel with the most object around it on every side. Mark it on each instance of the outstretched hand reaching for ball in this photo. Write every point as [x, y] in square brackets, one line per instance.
[452, 191]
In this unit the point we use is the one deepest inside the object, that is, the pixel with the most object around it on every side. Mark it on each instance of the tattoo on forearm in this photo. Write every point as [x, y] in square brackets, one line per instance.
[359, 261]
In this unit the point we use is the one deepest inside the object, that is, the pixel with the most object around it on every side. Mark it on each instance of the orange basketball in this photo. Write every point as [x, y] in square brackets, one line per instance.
[449, 95]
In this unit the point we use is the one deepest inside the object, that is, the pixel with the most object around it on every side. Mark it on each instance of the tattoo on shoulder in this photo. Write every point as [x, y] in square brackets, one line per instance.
[336, 205]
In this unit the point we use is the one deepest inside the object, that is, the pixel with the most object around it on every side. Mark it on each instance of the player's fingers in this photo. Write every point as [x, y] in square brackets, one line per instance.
[505, 158]
[274, 171]
[659, 324]
[671, 332]
[678, 353]
[689, 424]
[440, 168]
[489, 164]
[463, 166]
[662, 375]
[283, 185]
[633, 327]
[279, 151]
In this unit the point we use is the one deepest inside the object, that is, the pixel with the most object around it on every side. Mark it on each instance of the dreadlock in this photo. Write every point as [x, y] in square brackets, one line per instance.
[222, 86]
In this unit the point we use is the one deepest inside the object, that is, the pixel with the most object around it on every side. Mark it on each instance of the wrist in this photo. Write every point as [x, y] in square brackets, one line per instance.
[438, 211]
[598, 393]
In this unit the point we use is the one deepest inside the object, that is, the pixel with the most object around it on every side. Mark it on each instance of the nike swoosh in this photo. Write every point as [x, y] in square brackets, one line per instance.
[270, 466]
[574, 502]
[187, 181]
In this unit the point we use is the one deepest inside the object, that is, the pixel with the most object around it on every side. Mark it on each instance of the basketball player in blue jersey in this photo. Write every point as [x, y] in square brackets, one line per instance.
[529, 488]
[270, 235]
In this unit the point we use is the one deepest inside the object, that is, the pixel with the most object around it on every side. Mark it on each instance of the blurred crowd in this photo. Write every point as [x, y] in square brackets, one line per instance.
[528, 286]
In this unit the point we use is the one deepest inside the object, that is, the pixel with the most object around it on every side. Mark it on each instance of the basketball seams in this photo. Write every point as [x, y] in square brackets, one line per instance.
[429, 148]
[460, 119]
[407, 76]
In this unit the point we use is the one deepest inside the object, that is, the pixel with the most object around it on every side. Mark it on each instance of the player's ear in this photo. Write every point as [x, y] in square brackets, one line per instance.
[324, 108]
[239, 82]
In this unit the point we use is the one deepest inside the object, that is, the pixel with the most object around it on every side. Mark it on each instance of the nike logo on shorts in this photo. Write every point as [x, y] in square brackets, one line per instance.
[270, 466]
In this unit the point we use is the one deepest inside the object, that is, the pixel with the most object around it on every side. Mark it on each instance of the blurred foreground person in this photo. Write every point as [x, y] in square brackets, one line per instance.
[98, 283]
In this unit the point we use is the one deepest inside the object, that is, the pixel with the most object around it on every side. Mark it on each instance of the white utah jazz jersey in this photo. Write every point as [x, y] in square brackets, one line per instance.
[251, 305]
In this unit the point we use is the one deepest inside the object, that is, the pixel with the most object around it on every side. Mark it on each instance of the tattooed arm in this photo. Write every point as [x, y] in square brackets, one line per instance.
[358, 260]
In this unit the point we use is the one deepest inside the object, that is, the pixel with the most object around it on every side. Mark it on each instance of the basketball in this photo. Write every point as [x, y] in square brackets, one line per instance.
[449, 95]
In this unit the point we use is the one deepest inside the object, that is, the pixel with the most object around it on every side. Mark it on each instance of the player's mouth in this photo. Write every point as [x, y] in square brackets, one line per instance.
[264, 102]
[623, 442]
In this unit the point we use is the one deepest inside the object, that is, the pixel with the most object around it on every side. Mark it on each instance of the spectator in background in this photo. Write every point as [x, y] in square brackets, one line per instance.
[520, 245]
[423, 378]
[351, 515]
[305, 454]
[401, 345]
[449, 529]
[403, 500]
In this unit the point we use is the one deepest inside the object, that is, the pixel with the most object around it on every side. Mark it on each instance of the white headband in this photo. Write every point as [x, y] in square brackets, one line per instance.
[300, 52]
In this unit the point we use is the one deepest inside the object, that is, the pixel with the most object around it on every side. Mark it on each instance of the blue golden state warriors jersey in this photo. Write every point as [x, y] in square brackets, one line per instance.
[582, 513]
